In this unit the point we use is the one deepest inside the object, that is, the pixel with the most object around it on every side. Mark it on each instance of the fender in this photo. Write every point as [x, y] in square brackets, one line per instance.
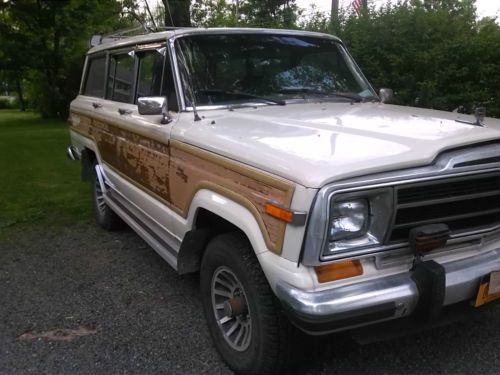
[275, 267]
[223, 214]
[231, 211]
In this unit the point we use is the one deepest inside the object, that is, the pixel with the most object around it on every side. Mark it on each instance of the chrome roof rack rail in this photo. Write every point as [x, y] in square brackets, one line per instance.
[99, 39]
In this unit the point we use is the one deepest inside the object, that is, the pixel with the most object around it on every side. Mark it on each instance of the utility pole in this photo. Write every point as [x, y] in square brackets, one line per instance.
[334, 15]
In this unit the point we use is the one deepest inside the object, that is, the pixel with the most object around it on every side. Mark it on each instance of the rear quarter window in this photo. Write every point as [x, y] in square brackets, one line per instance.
[94, 84]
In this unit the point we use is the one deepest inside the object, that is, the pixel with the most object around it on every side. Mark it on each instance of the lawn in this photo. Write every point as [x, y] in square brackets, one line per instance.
[38, 183]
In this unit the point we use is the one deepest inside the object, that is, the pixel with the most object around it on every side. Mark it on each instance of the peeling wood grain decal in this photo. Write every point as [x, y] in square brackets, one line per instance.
[245, 185]
[141, 159]
[174, 172]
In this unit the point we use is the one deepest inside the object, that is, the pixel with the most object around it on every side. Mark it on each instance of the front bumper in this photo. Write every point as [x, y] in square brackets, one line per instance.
[382, 299]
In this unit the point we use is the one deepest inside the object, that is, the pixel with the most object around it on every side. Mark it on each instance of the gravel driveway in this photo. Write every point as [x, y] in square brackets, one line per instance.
[82, 300]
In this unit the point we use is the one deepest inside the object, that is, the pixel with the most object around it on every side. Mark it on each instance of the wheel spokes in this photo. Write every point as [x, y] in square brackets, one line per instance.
[230, 308]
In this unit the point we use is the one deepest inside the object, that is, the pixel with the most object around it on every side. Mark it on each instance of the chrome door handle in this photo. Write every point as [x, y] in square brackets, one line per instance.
[96, 105]
[123, 111]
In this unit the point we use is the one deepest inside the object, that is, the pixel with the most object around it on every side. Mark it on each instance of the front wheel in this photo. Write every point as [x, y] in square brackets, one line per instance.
[244, 317]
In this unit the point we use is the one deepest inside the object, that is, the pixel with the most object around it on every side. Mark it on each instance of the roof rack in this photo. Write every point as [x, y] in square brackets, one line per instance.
[99, 39]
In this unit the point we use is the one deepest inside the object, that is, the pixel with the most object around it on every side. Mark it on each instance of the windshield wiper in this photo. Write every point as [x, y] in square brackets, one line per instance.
[305, 90]
[242, 94]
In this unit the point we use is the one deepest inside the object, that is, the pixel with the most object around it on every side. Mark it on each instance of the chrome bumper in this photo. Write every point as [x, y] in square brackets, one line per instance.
[381, 299]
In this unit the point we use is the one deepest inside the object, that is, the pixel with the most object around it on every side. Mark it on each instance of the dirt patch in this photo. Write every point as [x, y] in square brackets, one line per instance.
[59, 334]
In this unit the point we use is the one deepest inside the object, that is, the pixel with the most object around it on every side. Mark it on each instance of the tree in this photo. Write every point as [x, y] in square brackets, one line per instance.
[250, 13]
[177, 13]
[213, 13]
[269, 13]
[54, 37]
[434, 54]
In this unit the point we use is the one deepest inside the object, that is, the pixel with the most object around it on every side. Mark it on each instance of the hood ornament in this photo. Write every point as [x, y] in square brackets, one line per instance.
[479, 114]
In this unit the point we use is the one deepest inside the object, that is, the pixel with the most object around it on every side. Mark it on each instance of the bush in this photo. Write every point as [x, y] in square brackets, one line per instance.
[8, 102]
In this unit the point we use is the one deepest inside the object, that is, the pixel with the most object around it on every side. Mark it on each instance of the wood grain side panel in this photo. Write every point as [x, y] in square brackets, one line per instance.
[174, 172]
[143, 160]
[192, 169]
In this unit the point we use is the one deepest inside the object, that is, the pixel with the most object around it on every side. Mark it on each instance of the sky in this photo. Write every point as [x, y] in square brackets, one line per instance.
[485, 8]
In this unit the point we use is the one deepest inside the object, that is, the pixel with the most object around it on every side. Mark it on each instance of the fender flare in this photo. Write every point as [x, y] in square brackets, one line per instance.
[231, 211]
[195, 240]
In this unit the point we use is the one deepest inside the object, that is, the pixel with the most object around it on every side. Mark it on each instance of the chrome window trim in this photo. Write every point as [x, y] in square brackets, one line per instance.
[85, 74]
[443, 167]
[176, 73]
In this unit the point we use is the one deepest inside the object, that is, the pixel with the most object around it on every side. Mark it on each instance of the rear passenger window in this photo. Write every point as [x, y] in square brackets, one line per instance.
[121, 78]
[94, 85]
[150, 74]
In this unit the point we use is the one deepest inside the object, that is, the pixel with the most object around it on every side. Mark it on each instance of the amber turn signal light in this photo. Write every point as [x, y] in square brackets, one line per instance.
[339, 270]
[278, 212]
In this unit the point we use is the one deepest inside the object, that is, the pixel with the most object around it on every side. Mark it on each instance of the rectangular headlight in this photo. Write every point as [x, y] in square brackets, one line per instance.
[358, 220]
[348, 219]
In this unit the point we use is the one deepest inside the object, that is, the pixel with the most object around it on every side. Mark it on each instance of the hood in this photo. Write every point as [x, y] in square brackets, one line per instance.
[317, 143]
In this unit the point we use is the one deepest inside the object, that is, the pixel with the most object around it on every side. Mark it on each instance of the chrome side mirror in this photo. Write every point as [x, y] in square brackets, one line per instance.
[152, 105]
[386, 95]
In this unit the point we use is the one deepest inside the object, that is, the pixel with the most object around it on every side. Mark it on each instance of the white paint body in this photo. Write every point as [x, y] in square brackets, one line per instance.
[314, 144]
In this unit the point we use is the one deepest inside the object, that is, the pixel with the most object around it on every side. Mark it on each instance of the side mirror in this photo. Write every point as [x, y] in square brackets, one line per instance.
[152, 105]
[386, 95]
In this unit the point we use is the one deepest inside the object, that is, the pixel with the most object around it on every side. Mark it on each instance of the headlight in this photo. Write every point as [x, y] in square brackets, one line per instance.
[357, 220]
[348, 219]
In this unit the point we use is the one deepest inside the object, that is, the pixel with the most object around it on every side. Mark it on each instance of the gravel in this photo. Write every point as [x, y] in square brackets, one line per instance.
[82, 300]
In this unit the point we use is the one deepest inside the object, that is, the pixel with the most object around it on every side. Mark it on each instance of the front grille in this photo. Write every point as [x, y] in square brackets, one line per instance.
[464, 204]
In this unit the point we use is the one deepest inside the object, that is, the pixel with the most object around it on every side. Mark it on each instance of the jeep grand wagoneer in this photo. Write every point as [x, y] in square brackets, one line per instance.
[265, 161]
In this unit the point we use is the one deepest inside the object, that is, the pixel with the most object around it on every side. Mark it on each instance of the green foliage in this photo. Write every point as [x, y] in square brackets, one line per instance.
[251, 13]
[39, 184]
[269, 13]
[433, 54]
[43, 43]
[213, 13]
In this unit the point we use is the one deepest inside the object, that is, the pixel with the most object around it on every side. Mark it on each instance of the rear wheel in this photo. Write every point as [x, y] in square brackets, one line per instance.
[103, 214]
[244, 317]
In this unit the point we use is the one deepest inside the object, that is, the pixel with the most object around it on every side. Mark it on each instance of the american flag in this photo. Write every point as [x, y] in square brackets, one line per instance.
[357, 5]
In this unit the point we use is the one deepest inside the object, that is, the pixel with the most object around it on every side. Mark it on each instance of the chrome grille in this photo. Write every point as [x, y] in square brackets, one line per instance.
[464, 204]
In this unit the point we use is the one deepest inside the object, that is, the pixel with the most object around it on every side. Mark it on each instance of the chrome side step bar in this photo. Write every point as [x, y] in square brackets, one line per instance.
[163, 243]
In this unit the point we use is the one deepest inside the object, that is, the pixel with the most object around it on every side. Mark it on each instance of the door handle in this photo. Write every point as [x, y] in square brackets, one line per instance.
[123, 111]
[96, 105]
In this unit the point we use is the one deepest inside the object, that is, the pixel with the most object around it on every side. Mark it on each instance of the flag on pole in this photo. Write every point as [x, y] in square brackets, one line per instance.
[357, 5]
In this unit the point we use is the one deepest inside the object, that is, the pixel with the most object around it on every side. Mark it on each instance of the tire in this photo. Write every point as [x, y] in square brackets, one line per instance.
[267, 340]
[104, 216]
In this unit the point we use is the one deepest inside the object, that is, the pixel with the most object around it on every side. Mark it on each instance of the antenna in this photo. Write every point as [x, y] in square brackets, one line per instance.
[189, 84]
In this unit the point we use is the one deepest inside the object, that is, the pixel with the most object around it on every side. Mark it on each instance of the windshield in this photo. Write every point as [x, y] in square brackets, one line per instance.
[272, 69]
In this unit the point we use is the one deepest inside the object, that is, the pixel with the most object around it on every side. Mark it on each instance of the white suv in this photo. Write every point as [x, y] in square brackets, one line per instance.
[265, 161]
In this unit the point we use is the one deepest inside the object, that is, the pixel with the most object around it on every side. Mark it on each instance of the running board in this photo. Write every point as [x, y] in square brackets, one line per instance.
[161, 241]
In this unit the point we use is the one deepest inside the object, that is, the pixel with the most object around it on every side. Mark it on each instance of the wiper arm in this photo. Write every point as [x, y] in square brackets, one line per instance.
[243, 94]
[304, 90]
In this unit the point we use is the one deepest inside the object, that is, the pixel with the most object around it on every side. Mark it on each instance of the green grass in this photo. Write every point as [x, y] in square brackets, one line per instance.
[38, 183]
